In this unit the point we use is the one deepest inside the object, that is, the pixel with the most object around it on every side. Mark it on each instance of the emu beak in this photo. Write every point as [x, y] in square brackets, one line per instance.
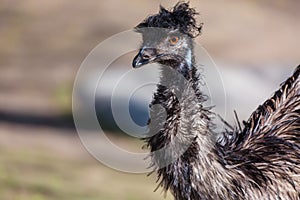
[145, 56]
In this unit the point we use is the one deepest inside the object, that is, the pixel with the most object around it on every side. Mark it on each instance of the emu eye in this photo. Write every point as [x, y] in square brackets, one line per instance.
[173, 40]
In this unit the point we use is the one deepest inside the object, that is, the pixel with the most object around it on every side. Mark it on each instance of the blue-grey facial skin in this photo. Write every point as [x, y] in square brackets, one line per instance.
[163, 45]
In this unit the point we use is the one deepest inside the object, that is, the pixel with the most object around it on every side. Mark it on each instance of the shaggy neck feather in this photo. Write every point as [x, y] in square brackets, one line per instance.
[186, 128]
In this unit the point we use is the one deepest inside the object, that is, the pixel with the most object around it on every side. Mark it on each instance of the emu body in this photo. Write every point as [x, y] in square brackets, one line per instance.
[261, 161]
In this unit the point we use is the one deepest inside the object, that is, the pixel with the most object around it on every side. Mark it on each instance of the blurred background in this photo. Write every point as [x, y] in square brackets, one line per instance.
[254, 43]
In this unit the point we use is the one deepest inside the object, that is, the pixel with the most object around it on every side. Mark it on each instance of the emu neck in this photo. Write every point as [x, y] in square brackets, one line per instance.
[183, 115]
[182, 126]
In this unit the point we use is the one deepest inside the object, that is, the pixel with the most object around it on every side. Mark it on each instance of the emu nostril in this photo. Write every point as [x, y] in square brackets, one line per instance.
[146, 56]
[147, 53]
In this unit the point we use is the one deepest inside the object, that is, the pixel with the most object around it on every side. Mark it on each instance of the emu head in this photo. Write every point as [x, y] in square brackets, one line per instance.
[168, 38]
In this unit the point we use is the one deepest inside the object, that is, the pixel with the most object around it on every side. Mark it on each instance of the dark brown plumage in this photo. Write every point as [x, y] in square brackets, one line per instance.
[260, 161]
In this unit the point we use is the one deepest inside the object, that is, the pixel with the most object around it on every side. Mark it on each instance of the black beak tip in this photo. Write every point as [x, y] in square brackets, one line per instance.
[138, 61]
[135, 63]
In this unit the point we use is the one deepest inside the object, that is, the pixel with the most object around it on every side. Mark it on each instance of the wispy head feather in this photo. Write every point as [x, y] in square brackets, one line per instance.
[181, 17]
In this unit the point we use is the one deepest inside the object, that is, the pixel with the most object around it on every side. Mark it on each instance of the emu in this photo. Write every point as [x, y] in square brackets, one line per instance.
[260, 160]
